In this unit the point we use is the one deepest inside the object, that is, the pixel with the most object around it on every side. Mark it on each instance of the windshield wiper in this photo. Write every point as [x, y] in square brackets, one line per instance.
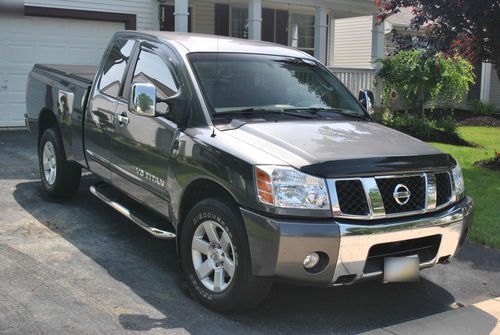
[341, 111]
[259, 111]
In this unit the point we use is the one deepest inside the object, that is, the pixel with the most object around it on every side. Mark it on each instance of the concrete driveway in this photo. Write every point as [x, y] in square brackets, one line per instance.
[79, 267]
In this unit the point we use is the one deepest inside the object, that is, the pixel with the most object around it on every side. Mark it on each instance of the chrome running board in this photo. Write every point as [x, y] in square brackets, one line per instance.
[104, 193]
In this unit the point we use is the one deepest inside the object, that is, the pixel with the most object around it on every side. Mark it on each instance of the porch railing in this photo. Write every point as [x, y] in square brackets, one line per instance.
[355, 79]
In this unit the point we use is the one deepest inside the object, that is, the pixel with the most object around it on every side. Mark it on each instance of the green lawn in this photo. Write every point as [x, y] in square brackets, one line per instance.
[481, 184]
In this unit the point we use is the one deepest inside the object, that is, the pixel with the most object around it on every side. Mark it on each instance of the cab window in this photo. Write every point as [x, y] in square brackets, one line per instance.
[114, 67]
[151, 68]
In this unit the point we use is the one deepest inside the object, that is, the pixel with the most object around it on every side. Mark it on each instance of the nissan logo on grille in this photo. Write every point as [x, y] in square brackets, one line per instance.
[401, 194]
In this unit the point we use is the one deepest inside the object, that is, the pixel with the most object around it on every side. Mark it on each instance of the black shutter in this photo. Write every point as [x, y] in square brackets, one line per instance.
[267, 25]
[282, 27]
[167, 21]
[221, 19]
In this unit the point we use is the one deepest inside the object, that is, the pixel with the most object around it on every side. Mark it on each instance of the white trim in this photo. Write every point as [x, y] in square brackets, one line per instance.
[378, 39]
[181, 14]
[320, 26]
[255, 20]
[485, 82]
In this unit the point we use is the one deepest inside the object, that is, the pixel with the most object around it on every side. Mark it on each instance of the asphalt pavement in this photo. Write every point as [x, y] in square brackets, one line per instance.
[79, 267]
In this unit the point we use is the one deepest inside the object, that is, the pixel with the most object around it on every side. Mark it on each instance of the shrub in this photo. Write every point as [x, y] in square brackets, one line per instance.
[482, 108]
[412, 125]
[448, 124]
[422, 78]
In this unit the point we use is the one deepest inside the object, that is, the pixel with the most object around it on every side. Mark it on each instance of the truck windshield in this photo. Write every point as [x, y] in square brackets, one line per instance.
[251, 83]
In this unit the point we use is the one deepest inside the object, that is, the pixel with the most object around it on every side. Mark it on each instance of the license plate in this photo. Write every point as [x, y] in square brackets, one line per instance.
[401, 269]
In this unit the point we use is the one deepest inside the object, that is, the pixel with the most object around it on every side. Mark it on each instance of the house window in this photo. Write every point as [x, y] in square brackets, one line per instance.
[239, 22]
[302, 32]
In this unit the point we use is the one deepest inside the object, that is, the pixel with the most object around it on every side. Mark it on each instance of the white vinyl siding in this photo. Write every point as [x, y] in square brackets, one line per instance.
[204, 16]
[495, 88]
[145, 10]
[352, 42]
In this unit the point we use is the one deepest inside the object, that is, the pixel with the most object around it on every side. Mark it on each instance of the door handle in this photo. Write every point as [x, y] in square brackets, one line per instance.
[122, 118]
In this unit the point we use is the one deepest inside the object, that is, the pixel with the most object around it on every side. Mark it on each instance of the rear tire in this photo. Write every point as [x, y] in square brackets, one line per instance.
[60, 178]
[228, 253]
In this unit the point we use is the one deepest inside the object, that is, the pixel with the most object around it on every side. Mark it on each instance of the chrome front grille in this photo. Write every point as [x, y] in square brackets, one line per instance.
[444, 191]
[352, 199]
[390, 196]
[416, 186]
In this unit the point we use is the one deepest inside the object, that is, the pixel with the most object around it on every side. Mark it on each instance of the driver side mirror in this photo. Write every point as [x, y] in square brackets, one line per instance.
[366, 98]
[143, 99]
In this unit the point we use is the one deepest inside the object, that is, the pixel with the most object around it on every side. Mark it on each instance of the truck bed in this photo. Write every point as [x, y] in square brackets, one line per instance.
[83, 73]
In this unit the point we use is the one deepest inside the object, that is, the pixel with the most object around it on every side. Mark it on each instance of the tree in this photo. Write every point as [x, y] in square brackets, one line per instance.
[470, 28]
[144, 102]
[422, 77]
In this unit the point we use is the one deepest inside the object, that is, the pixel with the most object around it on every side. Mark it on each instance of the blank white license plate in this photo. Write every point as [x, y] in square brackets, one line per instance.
[401, 269]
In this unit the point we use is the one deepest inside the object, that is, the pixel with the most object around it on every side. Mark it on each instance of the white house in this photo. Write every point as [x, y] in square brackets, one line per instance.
[76, 31]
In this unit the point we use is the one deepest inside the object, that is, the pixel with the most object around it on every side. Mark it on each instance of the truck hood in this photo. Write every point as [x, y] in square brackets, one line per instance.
[331, 148]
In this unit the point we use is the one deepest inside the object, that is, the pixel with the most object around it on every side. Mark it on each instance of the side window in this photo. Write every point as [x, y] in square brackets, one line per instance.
[114, 67]
[151, 68]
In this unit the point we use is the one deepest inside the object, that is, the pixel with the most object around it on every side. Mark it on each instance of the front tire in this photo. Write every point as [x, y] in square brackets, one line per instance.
[60, 178]
[216, 259]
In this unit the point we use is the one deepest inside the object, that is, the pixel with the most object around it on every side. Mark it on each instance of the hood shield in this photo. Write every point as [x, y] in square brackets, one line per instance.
[360, 167]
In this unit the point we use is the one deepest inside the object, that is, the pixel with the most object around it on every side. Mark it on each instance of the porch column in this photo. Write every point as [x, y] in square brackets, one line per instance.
[181, 14]
[255, 19]
[377, 52]
[320, 26]
[485, 82]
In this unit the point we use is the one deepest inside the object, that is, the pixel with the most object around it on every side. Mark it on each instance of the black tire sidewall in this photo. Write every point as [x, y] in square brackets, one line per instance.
[217, 211]
[50, 135]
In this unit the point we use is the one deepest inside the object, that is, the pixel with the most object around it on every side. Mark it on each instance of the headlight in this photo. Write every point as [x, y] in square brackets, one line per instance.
[286, 187]
[458, 182]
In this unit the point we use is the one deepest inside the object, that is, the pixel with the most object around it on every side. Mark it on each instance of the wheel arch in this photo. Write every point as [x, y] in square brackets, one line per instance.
[198, 190]
[46, 119]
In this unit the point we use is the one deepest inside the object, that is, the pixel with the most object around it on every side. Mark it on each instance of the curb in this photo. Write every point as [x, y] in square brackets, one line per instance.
[480, 318]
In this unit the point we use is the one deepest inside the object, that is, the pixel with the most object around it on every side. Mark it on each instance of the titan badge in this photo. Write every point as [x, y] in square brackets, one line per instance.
[150, 177]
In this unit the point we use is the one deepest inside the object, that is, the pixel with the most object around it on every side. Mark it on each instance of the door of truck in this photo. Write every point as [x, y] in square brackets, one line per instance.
[100, 117]
[142, 144]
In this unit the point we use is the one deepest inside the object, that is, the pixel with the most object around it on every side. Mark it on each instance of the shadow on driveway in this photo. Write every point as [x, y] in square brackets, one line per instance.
[150, 269]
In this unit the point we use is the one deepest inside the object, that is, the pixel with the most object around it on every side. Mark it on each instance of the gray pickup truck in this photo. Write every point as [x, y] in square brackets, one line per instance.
[254, 157]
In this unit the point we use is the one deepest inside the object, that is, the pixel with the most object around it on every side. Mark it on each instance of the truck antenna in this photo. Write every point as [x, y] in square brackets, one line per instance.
[216, 74]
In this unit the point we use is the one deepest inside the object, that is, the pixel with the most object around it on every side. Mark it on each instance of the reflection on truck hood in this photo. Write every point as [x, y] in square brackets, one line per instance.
[311, 145]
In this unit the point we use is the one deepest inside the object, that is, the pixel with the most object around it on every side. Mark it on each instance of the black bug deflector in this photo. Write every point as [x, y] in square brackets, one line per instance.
[380, 166]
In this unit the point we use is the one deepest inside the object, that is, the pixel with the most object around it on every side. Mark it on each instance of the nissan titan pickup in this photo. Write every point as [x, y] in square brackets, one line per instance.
[253, 157]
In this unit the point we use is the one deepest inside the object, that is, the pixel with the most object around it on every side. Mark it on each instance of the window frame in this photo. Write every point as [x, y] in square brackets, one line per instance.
[125, 71]
[155, 49]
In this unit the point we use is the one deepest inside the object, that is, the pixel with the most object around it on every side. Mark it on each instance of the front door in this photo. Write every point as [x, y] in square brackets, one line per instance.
[100, 118]
[167, 18]
[142, 144]
[275, 26]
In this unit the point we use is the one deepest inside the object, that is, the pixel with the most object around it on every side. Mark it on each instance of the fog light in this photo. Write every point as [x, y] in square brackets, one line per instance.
[311, 260]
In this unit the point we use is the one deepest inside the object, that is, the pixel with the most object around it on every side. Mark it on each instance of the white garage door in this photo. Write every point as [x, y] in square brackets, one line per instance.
[25, 41]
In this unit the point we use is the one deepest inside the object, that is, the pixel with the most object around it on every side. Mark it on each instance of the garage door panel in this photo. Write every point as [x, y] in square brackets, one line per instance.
[20, 54]
[25, 41]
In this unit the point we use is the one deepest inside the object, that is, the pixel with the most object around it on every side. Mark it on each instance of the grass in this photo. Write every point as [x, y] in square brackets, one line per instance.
[481, 184]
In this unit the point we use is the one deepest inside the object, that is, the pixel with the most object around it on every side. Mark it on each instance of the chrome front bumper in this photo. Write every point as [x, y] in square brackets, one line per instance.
[356, 240]
[278, 247]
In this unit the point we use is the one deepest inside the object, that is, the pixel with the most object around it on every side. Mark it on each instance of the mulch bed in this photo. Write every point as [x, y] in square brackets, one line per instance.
[480, 121]
[492, 164]
[440, 136]
[467, 118]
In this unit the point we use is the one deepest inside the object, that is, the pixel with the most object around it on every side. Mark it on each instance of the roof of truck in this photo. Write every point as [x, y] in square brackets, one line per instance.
[212, 43]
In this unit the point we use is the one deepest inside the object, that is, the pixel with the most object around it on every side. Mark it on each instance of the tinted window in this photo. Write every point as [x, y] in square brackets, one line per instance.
[152, 69]
[239, 81]
[115, 66]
